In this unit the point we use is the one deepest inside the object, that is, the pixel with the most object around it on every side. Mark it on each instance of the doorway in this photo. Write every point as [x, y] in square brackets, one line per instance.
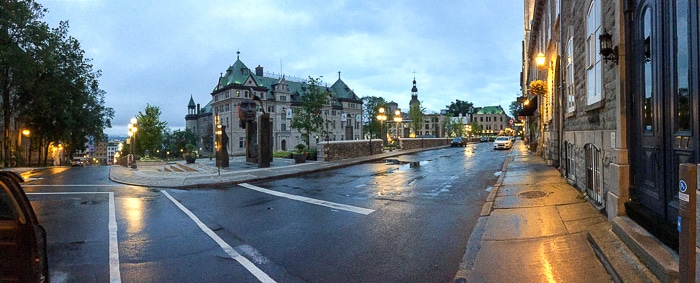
[664, 111]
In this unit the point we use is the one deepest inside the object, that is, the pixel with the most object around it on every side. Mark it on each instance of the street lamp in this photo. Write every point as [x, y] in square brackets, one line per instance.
[132, 139]
[381, 117]
[539, 60]
[25, 133]
[397, 120]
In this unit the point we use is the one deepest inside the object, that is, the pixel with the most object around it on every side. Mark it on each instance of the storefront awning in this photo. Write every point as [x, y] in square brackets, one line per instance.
[529, 109]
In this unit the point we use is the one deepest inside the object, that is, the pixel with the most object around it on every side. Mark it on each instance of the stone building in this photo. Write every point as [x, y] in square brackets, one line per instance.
[621, 108]
[281, 96]
[493, 119]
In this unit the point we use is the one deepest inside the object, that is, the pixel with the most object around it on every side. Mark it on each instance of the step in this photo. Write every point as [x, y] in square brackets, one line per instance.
[660, 259]
[620, 262]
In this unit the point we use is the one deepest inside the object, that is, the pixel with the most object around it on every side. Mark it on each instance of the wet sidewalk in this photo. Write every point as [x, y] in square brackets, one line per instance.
[533, 228]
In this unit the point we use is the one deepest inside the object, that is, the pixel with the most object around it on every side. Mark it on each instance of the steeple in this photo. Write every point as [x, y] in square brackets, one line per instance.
[414, 92]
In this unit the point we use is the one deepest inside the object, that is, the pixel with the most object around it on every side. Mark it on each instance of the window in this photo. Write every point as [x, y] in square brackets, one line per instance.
[241, 142]
[283, 98]
[593, 76]
[284, 126]
[569, 78]
[594, 188]
[569, 159]
[682, 50]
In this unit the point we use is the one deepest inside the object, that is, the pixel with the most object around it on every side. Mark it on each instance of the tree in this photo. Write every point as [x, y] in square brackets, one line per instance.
[514, 108]
[477, 129]
[178, 141]
[307, 117]
[46, 83]
[415, 113]
[460, 107]
[371, 106]
[150, 130]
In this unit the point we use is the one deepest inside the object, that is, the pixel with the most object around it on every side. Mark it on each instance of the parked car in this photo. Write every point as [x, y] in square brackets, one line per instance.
[502, 142]
[458, 141]
[484, 139]
[23, 255]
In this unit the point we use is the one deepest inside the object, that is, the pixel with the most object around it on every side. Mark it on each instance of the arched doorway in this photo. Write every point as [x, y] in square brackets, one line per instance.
[284, 145]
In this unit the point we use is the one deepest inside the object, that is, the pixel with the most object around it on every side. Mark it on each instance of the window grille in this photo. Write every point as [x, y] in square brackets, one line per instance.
[594, 186]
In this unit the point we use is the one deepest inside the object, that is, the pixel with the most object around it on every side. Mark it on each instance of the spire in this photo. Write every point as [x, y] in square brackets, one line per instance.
[238, 54]
[414, 92]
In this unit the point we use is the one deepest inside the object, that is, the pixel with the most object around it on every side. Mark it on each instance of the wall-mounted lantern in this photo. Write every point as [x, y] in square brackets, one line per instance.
[608, 51]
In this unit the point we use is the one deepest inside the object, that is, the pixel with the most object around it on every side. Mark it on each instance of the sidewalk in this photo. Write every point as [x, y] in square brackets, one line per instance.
[204, 173]
[534, 227]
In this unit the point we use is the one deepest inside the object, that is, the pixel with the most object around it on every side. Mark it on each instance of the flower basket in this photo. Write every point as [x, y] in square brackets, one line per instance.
[538, 87]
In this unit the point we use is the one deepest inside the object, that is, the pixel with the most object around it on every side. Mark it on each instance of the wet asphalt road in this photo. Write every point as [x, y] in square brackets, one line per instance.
[405, 221]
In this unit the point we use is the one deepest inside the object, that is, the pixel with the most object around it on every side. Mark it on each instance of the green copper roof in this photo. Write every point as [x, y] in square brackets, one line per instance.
[237, 73]
[191, 104]
[490, 110]
[341, 90]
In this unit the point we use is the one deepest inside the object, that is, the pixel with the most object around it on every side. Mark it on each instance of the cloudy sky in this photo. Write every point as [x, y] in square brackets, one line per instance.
[161, 52]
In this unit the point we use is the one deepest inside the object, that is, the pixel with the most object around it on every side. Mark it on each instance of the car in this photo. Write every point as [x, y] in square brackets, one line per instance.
[484, 139]
[23, 256]
[502, 142]
[77, 162]
[458, 141]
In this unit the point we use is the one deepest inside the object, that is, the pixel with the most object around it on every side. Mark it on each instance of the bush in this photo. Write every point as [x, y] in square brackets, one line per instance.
[300, 147]
[281, 154]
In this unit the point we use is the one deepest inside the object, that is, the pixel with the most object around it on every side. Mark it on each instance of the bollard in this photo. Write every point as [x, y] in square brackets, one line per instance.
[687, 185]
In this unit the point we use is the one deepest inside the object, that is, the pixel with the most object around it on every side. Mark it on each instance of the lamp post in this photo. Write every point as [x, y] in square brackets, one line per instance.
[132, 139]
[25, 133]
[397, 120]
[382, 117]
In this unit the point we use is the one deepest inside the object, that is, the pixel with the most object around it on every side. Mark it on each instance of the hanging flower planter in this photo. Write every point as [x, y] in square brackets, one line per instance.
[538, 87]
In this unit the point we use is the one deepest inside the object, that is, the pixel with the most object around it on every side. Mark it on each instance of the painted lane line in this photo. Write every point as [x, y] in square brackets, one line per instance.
[114, 273]
[333, 205]
[262, 276]
[78, 185]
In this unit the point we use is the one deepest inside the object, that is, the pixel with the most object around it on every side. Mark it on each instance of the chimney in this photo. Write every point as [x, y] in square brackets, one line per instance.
[259, 71]
[198, 109]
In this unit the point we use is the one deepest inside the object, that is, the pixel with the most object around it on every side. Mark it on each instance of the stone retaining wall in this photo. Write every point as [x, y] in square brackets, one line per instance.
[337, 150]
[414, 143]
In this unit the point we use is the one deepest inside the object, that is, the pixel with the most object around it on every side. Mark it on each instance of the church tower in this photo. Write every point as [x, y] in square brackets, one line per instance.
[414, 94]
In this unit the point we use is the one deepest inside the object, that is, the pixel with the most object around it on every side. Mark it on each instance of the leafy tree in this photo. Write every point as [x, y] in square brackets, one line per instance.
[371, 106]
[460, 107]
[477, 129]
[150, 130]
[46, 83]
[415, 113]
[307, 118]
[458, 127]
[178, 141]
[514, 108]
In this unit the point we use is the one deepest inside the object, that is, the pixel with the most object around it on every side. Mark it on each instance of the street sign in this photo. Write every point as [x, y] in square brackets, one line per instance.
[511, 121]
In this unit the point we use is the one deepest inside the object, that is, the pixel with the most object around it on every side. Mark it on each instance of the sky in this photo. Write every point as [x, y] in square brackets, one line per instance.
[162, 52]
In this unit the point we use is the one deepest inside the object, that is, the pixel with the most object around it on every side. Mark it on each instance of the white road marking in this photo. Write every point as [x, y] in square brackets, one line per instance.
[338, 206]
[39, 185]
[262, 276]
[114, 273]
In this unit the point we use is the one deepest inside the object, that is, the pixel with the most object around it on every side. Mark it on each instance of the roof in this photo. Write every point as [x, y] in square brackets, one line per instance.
[239, 73]
[191, 104]
[486, 110]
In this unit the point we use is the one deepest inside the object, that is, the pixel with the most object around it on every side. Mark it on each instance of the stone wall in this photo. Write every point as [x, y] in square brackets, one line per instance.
[337, 150]
[414, 143]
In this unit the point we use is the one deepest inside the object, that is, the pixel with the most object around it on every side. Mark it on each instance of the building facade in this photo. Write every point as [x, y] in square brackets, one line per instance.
[620, 113]
[280, 97]
[493, 120]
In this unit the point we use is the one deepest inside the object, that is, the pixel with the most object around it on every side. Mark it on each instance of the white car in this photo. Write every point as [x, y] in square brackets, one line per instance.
[502, 142]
